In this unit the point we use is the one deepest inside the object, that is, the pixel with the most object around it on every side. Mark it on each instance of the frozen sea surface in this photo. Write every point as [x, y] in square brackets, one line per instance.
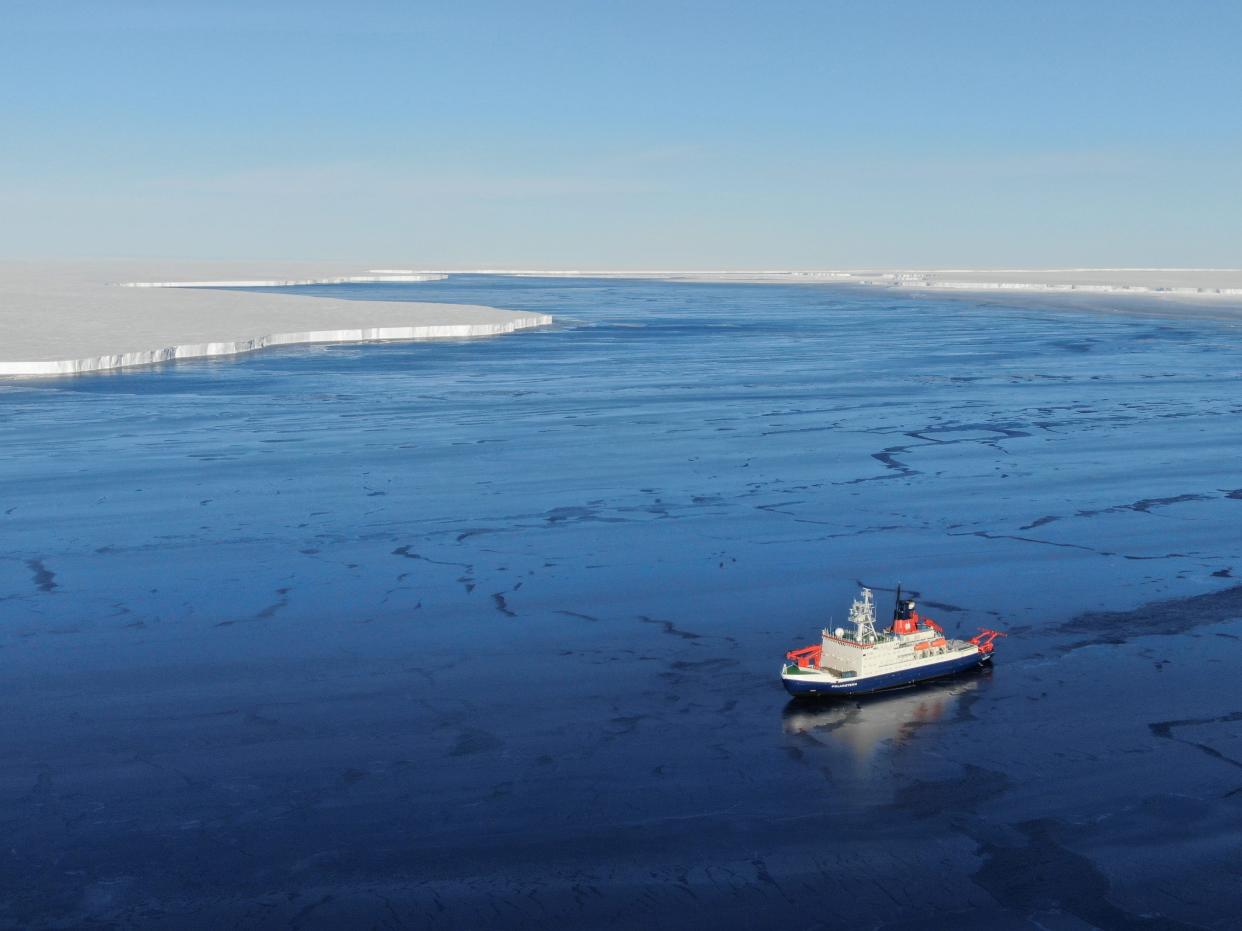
[486, 634]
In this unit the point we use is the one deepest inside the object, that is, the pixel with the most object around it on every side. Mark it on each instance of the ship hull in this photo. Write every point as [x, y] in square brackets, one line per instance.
[815, 686]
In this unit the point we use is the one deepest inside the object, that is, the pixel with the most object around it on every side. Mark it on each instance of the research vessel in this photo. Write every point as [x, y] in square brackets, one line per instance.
[861, 659]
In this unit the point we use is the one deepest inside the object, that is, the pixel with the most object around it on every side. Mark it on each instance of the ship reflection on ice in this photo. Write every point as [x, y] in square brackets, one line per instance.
[863, 725]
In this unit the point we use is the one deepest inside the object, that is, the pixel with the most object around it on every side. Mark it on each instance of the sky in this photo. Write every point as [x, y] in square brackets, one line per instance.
[625, 134]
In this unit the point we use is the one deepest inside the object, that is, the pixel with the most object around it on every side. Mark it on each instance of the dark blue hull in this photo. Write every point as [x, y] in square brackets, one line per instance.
[810, 688]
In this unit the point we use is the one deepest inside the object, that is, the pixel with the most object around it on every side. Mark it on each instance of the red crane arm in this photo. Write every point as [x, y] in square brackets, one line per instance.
[985, 639]
[807, 656]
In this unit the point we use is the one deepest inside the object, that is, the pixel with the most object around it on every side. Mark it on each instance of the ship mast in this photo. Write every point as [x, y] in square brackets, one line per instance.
[862, 616]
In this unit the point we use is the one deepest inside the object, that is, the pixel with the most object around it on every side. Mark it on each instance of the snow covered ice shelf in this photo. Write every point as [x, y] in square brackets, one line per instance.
[69, 318]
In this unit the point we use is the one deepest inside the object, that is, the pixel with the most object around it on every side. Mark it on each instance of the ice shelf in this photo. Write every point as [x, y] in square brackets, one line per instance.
[285, 283]
[1170, 282]
[63, 318]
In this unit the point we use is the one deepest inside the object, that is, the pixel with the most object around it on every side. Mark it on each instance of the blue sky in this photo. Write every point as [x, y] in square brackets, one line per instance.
[627, 134]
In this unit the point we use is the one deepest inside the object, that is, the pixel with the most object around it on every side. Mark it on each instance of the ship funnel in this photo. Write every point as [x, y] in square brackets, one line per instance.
[904, 609]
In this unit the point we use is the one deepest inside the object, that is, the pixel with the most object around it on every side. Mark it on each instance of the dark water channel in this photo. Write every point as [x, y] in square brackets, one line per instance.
[486, 634]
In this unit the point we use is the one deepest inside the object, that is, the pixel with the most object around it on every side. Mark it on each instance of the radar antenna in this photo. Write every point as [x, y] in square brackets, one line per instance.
[862, 616]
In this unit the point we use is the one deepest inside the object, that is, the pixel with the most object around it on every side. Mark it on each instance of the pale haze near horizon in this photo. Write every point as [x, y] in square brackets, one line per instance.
[629, 135]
